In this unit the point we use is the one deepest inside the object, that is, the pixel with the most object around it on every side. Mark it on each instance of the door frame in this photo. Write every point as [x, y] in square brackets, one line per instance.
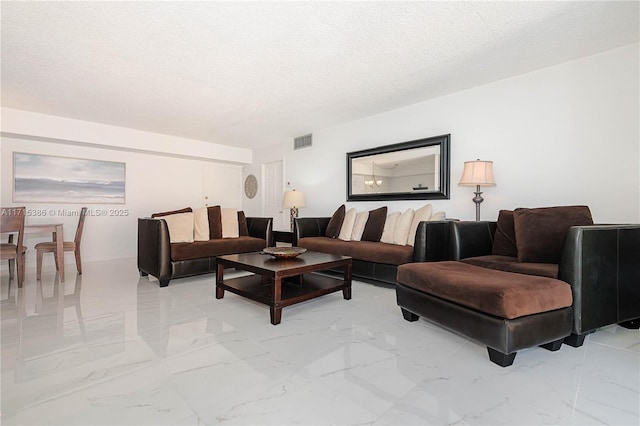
[283, 223]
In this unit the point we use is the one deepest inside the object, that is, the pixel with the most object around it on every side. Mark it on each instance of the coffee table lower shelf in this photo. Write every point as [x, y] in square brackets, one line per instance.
[255, 288]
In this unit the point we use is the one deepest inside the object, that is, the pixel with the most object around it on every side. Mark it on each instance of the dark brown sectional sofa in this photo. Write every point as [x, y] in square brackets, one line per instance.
[158, 257]
[547, 277]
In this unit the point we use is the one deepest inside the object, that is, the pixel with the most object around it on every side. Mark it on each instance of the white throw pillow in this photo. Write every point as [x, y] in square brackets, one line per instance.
[201, 224]
[438, 216]
[358, 226]
[347, 225]
[389, 228]
[180, 227]
[420, 215]
[229, 223]
[401, 233]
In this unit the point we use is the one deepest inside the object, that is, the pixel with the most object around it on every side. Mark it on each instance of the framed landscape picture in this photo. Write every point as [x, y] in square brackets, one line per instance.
[52, 179]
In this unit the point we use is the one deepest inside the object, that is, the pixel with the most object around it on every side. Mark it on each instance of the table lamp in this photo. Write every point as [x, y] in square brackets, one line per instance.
[477, 173]
[293, 200]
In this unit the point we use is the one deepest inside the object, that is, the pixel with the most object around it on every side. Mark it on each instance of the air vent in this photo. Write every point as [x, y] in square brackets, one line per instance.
[302, 141]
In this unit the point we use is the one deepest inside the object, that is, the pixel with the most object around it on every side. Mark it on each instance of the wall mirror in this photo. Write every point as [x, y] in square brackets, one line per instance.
[414, 170]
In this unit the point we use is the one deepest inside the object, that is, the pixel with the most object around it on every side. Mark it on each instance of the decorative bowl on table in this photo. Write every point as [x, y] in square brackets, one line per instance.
[284, 252]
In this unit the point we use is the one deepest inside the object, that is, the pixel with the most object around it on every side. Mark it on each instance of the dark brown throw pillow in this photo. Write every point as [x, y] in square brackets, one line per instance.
[185, 210]
[243, 229]
[375, 224]
[540, 232]
[335, 223]
[215, 222]
[504, 240]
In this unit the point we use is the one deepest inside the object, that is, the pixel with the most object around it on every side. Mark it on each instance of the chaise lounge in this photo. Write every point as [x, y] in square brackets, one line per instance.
[536, 277]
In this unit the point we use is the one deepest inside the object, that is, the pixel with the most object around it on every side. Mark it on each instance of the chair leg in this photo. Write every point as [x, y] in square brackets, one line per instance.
[20, 260]
[39, 254]
[78, 262]
[575, 340]
[503, 360]
[633, 324]
[10, 262]
[409, 316]
[55, 258]
[553, 346]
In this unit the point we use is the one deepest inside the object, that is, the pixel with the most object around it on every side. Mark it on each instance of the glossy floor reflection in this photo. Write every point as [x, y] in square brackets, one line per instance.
[112, 348]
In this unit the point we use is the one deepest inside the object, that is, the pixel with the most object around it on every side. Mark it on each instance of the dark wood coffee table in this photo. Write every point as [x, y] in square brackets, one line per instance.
[283, 282]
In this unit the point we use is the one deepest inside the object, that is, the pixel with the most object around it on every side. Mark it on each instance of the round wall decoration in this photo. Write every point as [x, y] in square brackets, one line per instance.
[250, 186]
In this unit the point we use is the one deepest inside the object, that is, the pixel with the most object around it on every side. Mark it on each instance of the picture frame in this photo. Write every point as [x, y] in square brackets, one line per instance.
[54, 179]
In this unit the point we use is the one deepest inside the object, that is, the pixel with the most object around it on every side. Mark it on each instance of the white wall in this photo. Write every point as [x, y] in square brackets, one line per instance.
[49, 127]
[163, 172]
[567, 134]
[153, 183]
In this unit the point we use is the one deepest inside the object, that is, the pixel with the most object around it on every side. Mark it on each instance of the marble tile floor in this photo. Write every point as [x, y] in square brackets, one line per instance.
[112, 348]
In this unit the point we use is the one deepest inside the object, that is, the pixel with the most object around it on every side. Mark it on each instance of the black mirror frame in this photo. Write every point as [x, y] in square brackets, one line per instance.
[445, 155]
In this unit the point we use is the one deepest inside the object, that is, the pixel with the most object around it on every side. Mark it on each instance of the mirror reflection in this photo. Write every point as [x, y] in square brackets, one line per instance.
[402, 171]
[409, 170]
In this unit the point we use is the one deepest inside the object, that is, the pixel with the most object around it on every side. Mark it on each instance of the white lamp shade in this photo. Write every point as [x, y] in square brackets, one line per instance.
[477, 173]
[293, 199]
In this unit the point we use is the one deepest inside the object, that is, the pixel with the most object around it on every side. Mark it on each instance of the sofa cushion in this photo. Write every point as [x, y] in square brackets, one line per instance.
[420, 215]
[369, 251]
[215, 222]
[375, 224]
[439, 215]
[549, 270]
[511, 264]
[229, 222]
[358, 225]
[335, 223]
[243, 229]
[503, 294]
[185, 210]
[201, 224]
[540, 232]
[180, 227]
[401, 233]
[389, 228]
[218, 247]
[504, 239]
[347, 225]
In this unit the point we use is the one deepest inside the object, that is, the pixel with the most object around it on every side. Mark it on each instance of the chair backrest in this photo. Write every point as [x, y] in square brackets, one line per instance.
[83, 213]
[12, 220]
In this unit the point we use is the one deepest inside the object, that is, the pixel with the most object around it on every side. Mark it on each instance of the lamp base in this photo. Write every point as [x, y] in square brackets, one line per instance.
[478, 199]
[293, 215]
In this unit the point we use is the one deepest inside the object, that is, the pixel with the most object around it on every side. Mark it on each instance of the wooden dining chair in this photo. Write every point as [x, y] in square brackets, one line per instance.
[50, 246]
[13, 222]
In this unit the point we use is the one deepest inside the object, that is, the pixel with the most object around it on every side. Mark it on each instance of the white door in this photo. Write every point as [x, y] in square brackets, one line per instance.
[222, 186]
[273, 189]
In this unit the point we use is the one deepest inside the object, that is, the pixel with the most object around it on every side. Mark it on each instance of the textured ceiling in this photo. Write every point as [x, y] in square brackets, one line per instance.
[251, 73]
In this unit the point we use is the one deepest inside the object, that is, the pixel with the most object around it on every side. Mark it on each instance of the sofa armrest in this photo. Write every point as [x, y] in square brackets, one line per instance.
[309, 227]
[261, 227]
[154, 249]
[600, 262]
[469, 239]
[432, 241]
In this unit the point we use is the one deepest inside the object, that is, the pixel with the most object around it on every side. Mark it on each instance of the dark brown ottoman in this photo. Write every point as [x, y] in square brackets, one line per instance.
[505, 311]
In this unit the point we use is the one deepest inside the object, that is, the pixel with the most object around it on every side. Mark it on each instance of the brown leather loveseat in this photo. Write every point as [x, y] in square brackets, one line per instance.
[166, 260]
